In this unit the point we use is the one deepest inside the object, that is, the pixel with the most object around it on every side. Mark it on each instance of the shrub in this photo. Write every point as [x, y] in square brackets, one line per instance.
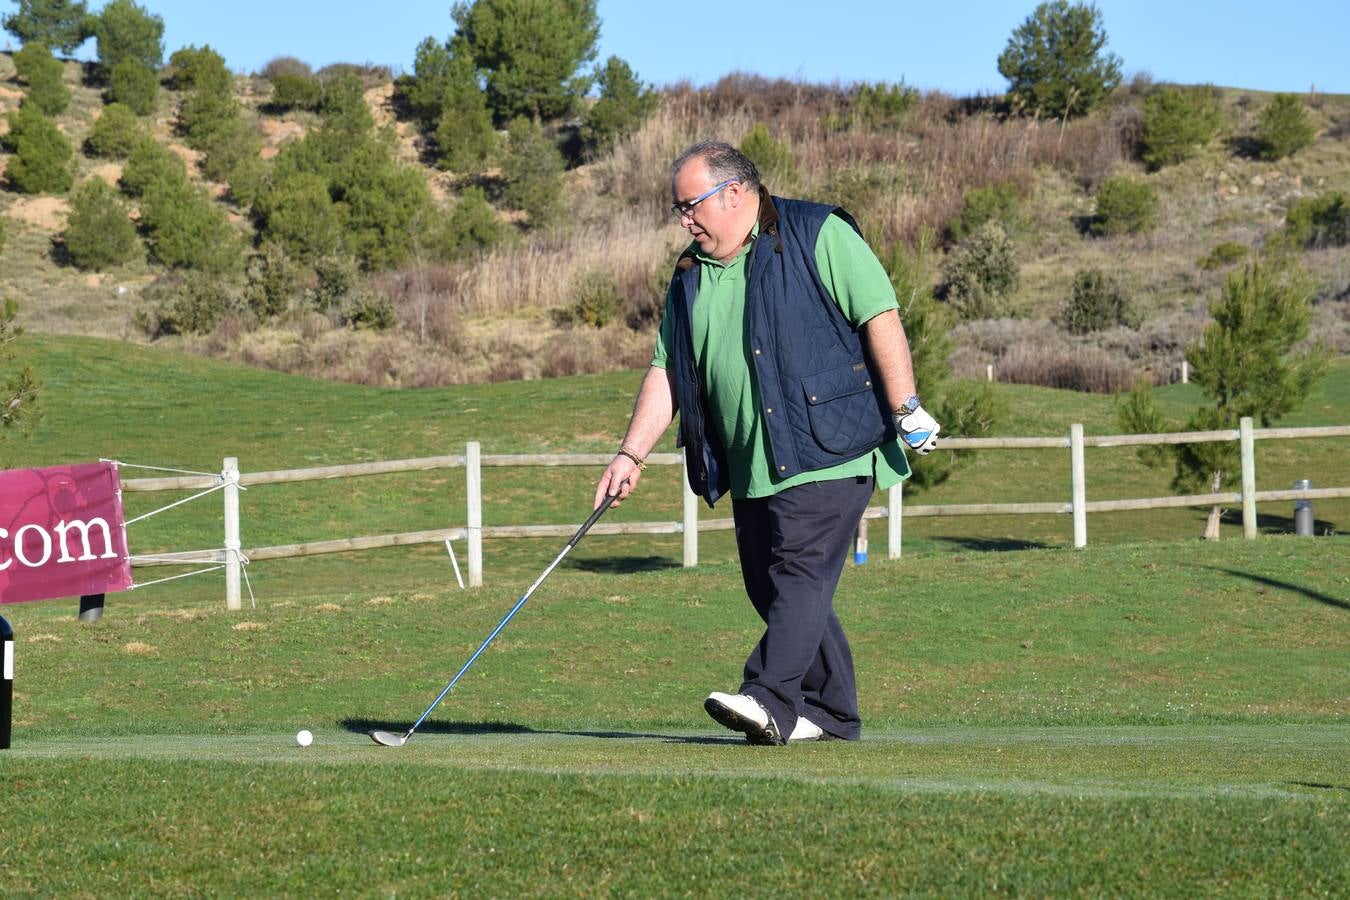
[2, 234]
[229, 145]
[389, 207]
[993, 203]
[772, 157]
[532, 168]
[1285, 127]
[114, 133]
[1097, 302]
[271, 281]
[368, 75]
[625, 102]
[295, 91]
[187, 303]
[1089, 369]
[343, 106]
[882, 106]
[474, 225]
[981, 274]
[1321, 221]
[188, 231]
[192, 67]
[36, 66]
[126, 30]
[98, 234]
[299, 214]
[41, 162]
[150, 163]
[209, 107]
[1225, 253]
[341, 295]
[285, 65]
[135, 85]
[1125, 206]
[1178, 122]
[597, 300]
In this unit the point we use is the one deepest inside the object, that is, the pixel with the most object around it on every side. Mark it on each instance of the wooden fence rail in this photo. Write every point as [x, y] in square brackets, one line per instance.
[232, 555]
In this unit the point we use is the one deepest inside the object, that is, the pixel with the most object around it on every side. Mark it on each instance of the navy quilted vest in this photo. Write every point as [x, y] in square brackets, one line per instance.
[819, 402]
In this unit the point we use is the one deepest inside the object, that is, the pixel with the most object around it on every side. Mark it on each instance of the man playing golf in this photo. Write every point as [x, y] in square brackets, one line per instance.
[782, 350]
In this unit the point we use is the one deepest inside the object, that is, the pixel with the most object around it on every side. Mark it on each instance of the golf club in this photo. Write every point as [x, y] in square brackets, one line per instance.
[388, 738]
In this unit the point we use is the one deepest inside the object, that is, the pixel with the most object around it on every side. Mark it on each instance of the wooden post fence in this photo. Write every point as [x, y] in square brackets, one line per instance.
[231, 480]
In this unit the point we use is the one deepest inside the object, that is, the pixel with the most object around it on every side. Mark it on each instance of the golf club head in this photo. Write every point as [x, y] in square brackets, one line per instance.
[388, 739]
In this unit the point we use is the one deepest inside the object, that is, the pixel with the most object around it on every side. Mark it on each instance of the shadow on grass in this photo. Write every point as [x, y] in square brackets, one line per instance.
[990, 544]
[1268, 524]
[1285, 585]
[623, 565]
[365, 726]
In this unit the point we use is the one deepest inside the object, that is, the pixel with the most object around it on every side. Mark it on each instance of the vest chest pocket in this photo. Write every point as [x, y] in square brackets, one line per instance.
[842, 409]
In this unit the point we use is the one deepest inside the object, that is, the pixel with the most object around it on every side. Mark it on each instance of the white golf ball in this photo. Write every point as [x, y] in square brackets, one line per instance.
[304, 738]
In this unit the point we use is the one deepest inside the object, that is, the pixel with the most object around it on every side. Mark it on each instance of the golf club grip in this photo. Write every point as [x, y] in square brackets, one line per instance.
[595, 517]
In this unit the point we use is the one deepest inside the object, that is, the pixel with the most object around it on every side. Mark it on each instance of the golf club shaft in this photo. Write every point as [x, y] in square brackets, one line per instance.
[599, 511]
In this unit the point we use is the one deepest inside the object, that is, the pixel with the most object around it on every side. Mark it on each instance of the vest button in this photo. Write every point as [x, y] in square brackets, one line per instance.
[813, 398]
[782, 468]
[770, 410]
[757, 351]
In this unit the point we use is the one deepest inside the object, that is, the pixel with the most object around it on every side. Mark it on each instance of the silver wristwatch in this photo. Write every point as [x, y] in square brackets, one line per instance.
[908, 407]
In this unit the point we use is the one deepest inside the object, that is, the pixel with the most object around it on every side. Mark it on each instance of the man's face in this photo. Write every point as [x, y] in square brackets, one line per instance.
[713, 222]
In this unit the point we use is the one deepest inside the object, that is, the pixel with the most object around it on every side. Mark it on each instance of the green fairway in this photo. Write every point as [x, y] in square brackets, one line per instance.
[1134, 811]
[1160, 716]
[1138, 720]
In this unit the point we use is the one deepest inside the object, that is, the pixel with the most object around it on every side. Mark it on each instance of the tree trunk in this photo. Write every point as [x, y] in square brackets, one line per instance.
[1212, 525]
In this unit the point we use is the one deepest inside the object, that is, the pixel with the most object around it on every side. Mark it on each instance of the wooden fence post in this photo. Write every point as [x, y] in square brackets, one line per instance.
[473, 476]
[1079, 485]
[1247, 441]
[689, 518]
[230, 475]
[895, 507]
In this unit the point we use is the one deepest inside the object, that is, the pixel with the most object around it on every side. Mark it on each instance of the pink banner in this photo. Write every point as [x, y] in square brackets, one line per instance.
[62, 533]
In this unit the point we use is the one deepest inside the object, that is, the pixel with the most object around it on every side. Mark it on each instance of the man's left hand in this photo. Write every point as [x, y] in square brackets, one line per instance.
[918, 430]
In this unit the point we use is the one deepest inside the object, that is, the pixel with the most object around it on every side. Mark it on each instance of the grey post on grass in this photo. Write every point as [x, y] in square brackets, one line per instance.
[1303, 510]
[230, 476]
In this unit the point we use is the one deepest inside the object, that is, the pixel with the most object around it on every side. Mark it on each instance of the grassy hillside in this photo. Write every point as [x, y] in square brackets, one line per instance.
[502, 315]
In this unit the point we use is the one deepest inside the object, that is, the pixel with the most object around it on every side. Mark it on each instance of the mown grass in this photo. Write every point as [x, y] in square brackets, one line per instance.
[1141, 717]
[1131, 720]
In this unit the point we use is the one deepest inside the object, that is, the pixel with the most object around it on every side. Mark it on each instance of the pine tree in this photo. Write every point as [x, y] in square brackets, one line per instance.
[1054, 61]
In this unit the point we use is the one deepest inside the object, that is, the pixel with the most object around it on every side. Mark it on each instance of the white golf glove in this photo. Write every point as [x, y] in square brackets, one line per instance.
[917, 428]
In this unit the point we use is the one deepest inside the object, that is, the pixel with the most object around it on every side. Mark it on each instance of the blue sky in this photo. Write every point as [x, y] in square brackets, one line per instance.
[953, 47]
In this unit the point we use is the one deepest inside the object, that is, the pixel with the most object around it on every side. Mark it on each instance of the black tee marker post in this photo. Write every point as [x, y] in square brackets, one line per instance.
[6, 681]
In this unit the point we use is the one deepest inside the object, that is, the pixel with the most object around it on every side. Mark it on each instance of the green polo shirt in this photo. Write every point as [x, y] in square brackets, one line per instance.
[859, 285]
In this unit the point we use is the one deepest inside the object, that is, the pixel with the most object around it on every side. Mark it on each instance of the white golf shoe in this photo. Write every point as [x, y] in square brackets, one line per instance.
[806, 730]
[741, 712]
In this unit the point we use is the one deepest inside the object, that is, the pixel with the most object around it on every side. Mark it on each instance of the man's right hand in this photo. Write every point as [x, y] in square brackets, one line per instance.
[620, 478]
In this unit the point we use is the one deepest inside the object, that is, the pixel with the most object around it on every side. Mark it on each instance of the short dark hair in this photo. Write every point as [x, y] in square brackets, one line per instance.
[724, 161]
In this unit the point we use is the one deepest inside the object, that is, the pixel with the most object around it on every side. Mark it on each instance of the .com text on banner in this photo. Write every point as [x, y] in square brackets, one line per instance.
[62, 532]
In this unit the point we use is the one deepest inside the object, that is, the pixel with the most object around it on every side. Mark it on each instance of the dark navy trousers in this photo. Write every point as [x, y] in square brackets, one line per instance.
[792, 548]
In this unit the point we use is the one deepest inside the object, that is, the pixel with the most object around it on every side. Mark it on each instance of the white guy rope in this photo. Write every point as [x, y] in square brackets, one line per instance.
[120, 464]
